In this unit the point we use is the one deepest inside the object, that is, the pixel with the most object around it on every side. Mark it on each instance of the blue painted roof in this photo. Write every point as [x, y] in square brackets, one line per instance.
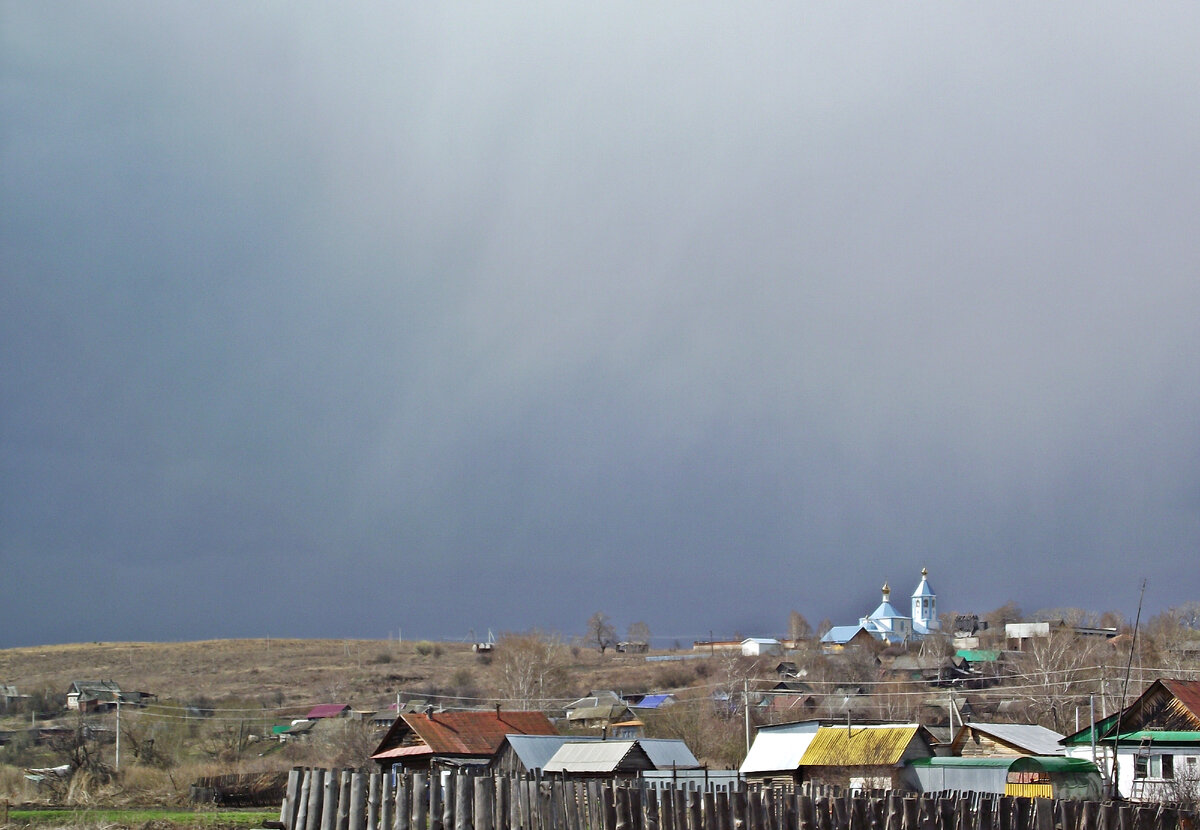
[924, 589]
[886, 611]
[652, 701]
[841, 633]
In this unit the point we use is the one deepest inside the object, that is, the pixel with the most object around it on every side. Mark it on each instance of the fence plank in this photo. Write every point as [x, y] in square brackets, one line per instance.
[464, 801]
[302, 807]
[402, 813]
[329, 801]
[485, 804]
[358, 801]
[420, 802]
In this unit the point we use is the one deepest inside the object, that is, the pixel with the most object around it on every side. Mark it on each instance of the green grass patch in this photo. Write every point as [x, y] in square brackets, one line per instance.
[138, 818]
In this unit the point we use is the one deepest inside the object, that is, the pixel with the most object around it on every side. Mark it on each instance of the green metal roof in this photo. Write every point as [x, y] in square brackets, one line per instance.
[978, 655]
[1161, 737]
[1052, 763]
[1047, 763]
[955, 761]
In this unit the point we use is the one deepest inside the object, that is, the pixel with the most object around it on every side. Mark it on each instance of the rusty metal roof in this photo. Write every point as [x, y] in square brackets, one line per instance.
[477, 733]
[855, 746]
[1186, 692]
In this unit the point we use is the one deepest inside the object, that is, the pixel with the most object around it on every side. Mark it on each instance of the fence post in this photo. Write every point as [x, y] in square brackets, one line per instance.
[373, 801]
[357, 809]
[448, 798]
[464, 802]
[402, 810]
[287, 810]
[329, 801]
[302, 807]
[650, 809]
[421, 793]
[316, 799]
[484, 807]
[385, 802]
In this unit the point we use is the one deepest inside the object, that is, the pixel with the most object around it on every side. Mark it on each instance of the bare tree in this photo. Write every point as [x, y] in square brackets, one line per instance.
[1059, 671]
[600, 631]
[532, 669]
[798, 627]
[638, 632]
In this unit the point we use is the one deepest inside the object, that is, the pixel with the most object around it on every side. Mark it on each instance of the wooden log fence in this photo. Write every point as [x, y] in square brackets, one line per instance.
[317, 799]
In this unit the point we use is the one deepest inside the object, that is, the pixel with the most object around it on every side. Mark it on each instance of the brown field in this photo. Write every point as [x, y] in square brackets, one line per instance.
[367, 674]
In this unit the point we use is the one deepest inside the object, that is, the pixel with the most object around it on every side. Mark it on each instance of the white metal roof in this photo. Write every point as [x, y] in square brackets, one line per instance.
[590, 756]
[777, 750]
[1037, 740]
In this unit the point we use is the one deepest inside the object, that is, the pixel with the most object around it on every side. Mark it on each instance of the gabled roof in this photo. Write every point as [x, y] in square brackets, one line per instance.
[862, 745]
[594, 699]
[327, 710]
[534, 751]
[1167, 704]
[654, 701]
[599, 757]
[611, 712]
[841, 633]
[1029, 739]
[95, 688]
[776, 750]
[669, 753]
[886, 611]
[477, 734]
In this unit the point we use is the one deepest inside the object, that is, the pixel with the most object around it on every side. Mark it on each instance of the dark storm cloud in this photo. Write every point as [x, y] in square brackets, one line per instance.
[327, 323]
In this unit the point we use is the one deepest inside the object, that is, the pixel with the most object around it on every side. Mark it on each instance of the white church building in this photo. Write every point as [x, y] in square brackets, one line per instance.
[886, 623]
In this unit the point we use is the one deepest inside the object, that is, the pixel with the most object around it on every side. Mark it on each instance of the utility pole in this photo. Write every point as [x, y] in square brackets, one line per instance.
[118, 764]
[746, 707]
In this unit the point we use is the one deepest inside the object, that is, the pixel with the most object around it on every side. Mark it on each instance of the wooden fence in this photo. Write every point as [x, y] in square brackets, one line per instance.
[318, 799]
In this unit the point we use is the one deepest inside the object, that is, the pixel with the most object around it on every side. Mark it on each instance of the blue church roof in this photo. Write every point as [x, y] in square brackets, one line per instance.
[924, 589]
[886, 611]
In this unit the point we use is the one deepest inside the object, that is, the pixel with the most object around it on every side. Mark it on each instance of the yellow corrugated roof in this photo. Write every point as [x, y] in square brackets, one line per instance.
[839, 746]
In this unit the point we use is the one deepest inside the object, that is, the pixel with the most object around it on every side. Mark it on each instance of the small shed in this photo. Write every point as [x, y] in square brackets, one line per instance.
[599, 759]
[529, 754]
[759, 646]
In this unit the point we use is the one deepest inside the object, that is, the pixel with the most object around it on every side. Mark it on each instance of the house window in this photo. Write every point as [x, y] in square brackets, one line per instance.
[1154, 766]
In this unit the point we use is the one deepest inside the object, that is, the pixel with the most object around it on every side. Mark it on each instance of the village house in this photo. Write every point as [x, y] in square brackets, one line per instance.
[845, 755]
[438, 740]
[599, 710]
[92, 695]
[869, 756]
[1005, 739]
[329, 710]
[1156, 741]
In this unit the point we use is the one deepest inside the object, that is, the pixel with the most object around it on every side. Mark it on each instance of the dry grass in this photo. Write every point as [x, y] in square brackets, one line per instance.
[279, 673]
[247, 686]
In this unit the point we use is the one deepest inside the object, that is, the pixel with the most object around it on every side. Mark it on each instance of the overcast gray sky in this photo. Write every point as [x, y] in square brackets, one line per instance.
[446, 316]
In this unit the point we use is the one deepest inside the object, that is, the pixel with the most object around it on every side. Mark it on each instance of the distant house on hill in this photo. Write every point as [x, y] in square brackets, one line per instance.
[761, 646]
[329, 710]
[91, 695]
[435, 740]
[599, 710]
